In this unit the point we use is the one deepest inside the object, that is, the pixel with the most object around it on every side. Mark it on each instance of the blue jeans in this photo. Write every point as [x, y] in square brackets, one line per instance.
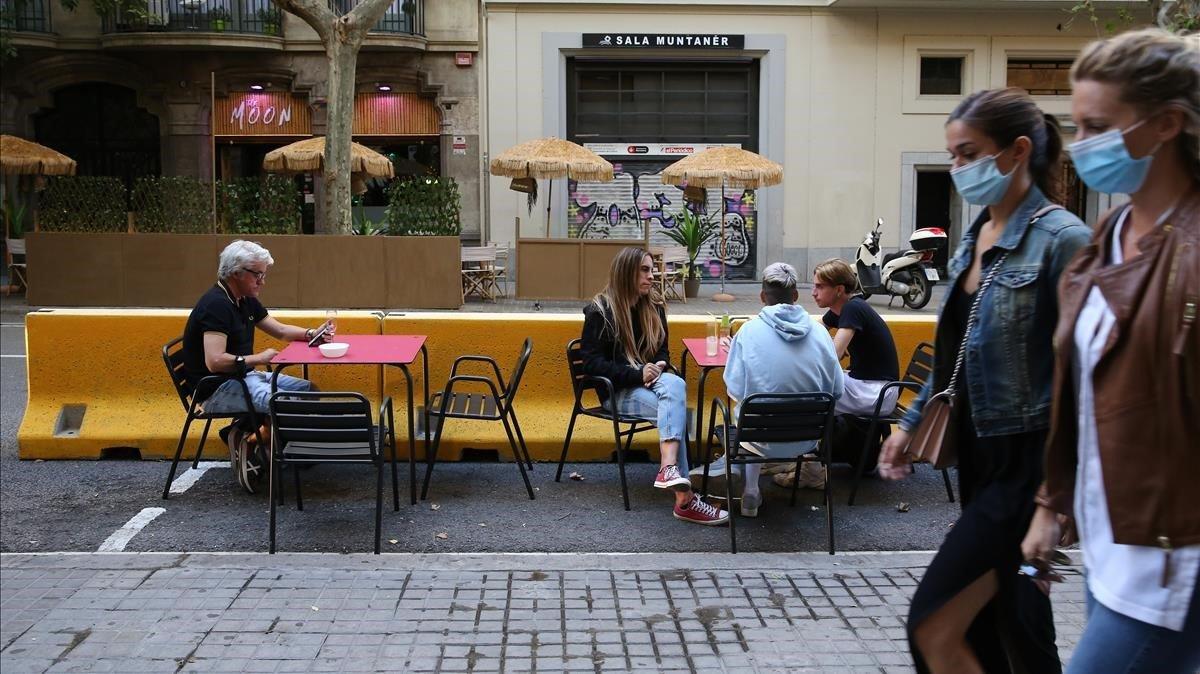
[228, 398]
[1117, 644]
[664, 403]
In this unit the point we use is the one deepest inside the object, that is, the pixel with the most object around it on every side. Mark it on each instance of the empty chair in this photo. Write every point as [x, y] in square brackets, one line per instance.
[920, 368]
[496, 404]
[172, 355]
[318, 427]
[774, 418]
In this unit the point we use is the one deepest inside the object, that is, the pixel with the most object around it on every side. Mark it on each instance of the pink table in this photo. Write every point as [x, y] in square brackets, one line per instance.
[697, 347]
[396, 350]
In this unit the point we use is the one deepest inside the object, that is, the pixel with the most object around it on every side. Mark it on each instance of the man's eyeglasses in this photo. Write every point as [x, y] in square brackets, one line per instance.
[259, 276]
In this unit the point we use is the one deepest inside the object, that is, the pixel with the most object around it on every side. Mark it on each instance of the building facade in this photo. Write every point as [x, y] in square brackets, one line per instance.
[197, 87]
[850, 96]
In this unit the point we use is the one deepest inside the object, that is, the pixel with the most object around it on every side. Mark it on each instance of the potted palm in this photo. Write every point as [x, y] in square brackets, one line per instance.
[691, 231]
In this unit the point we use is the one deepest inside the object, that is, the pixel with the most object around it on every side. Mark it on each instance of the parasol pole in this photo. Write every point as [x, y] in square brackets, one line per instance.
[723, 296]
[549, 193]
[212, 141]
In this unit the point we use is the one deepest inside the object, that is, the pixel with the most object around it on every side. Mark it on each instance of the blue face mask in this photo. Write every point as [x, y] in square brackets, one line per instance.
[1104, 164]
[980, 182]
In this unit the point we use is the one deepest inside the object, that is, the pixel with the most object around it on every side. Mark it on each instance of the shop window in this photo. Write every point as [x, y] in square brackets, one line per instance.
[941, 75]
[666, 102]
[1041, 77]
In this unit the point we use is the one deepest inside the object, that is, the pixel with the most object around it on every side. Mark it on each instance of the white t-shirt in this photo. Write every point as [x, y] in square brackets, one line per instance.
[1125, 578]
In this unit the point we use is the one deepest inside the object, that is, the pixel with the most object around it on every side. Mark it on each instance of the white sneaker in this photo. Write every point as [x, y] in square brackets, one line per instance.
[750, 504]
[716, 477]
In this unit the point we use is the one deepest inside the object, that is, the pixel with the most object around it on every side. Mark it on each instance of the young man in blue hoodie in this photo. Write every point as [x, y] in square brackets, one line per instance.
[782, 350]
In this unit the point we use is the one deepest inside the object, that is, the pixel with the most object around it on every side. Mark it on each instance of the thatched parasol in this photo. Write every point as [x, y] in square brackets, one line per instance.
[549, 158]
[721, 166]
[22, 157]
[309, 155]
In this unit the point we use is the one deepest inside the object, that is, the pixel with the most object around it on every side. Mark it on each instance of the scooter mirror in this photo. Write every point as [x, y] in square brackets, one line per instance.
[879, 222]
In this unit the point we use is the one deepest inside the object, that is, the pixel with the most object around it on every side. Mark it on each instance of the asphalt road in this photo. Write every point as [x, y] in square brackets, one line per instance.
[77, 505]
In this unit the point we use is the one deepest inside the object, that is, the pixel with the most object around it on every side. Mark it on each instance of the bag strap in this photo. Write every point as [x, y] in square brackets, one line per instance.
[974, 314]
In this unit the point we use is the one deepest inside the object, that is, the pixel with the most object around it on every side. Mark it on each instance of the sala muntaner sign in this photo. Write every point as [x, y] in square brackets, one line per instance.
[664, 40]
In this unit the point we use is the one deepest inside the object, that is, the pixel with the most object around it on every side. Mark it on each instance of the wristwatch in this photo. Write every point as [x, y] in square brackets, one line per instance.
[239, 363]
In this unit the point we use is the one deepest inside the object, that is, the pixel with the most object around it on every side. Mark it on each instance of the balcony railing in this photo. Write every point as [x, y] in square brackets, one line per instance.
[258, 17]
[403, 16]
[31, 16]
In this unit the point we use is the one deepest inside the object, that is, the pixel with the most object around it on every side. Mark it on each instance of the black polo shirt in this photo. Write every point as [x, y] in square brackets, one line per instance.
[872, 351]
[216, 311]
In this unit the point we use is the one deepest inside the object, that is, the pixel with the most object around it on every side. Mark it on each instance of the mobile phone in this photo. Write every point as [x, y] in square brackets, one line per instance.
[316, 338]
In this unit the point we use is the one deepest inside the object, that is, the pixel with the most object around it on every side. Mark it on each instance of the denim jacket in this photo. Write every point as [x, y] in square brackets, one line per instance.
[1010, 358]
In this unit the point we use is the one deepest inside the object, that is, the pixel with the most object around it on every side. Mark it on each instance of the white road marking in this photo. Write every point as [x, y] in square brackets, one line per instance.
[12, 355]
[192, 475]
[12, 325]
[121, 537]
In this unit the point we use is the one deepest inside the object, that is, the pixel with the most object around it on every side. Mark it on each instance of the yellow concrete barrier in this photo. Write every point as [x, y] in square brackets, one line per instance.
[543, 402]
[109, 360]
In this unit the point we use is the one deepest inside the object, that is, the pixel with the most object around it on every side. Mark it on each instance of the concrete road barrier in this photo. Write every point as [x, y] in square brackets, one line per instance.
[108, 362]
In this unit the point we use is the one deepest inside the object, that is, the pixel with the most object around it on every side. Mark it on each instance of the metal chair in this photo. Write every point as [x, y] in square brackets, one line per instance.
[172, 355]
[449, 404]
[582, 382]
[919, 370]
[774, 418]
[318, 427]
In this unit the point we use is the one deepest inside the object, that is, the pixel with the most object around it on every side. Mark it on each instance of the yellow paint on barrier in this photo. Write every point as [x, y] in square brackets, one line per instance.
[110, 361]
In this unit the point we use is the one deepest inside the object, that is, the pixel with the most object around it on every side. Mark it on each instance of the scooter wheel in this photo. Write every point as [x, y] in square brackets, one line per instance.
[918, 291]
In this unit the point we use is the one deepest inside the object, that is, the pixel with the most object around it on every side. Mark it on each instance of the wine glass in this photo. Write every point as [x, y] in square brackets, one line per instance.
[331, 321]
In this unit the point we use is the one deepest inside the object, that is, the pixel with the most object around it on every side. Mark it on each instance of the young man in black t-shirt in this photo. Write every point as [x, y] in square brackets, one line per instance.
[219, 339]
[859, 331]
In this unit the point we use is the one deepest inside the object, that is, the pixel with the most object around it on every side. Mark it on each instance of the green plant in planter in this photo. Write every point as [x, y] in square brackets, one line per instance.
[423, 206]
[218, 18]
[271, 18]
[691, 231]
[14, 218]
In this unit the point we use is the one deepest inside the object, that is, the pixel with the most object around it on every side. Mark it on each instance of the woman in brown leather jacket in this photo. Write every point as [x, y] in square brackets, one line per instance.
[1123, 452]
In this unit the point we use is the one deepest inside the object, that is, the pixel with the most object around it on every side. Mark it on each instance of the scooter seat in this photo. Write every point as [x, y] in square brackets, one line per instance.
[892, 256]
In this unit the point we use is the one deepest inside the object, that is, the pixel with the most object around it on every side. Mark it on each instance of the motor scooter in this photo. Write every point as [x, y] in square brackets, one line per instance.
[909, 275]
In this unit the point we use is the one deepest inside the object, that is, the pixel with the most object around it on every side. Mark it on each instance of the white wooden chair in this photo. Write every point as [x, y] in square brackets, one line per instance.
[672, 264]
[14, 251]
[479, 272]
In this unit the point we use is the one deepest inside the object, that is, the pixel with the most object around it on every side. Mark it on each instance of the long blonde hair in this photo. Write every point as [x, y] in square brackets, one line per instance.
[1152, 69]
[626, 304]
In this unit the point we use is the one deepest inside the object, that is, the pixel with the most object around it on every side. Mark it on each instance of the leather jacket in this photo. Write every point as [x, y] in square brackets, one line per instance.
[1146, 382]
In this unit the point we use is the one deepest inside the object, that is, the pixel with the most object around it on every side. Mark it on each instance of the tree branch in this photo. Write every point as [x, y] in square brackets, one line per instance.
[316, 13]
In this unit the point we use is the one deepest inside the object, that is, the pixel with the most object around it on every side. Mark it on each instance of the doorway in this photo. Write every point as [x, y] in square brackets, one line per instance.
[935, 207]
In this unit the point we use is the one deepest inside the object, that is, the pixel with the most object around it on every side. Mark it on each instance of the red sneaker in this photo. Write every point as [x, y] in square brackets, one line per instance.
[669, 478]
[701, 513]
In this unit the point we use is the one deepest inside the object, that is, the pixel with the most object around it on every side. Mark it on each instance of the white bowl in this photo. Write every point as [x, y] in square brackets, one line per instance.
[334, 349]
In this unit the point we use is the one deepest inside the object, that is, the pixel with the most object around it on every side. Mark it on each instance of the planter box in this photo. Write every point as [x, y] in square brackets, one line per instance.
[310, 272]
[567, 269]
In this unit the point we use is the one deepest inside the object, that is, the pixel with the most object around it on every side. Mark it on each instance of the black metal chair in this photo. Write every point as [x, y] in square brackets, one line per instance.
[919, 370]
[318, 427]
[581, 383]
[498, 406]
[172, 355]
[774, 418]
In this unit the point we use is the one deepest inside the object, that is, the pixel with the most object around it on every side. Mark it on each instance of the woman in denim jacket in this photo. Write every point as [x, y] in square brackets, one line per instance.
[972, 612]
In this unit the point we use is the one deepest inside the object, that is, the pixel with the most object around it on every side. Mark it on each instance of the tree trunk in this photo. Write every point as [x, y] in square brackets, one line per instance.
[338, 133]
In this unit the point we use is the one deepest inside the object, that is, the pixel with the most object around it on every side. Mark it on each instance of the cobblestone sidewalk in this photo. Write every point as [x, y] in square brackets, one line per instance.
[161, 612]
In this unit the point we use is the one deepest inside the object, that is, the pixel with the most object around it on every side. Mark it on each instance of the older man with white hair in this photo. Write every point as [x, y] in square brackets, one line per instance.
[782, 350]
[219, 339]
